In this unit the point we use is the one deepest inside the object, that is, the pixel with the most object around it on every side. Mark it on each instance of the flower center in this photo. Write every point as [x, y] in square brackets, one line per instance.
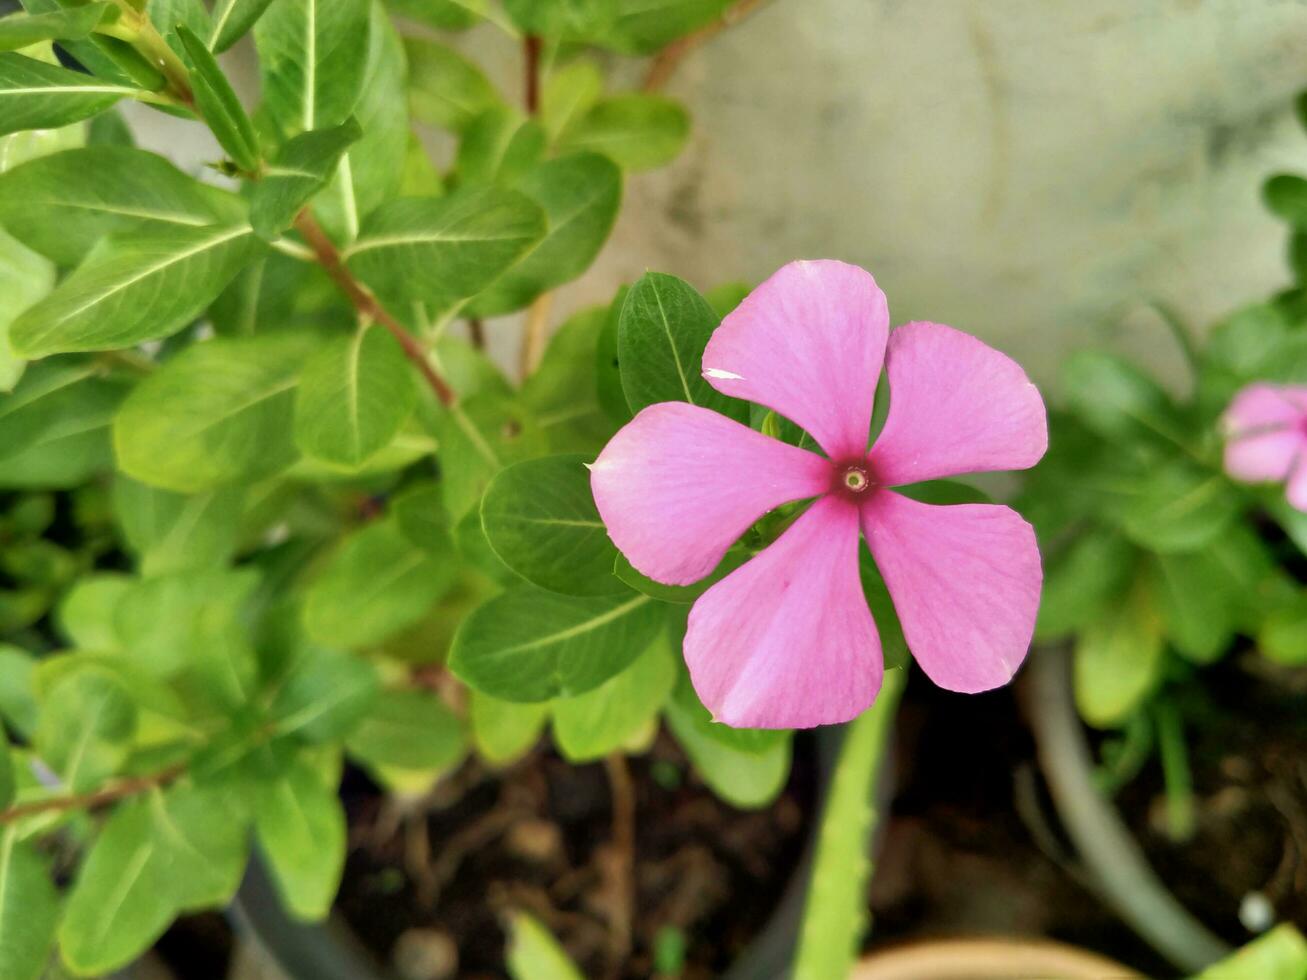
[855, 478]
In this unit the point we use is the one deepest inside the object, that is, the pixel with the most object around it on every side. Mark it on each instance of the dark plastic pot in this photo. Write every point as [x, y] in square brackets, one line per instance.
[331, 952]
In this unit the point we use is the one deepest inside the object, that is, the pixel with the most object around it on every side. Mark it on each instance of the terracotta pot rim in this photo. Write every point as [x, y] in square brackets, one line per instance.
[989, 958]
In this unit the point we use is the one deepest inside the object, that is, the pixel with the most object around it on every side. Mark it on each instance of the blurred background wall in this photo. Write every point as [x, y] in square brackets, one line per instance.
[1033, 171]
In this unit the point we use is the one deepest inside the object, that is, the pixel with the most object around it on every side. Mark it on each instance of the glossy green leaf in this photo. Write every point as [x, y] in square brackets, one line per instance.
[1118, 660]
[29, 909]
[301, 169]
[442, 249]
[325, 695]
[664, 327]
[86, 723]
[479, 437]
[534, 954]
[636, 131]
[354, 396]
[72, 24]
[300, 827]
[445, 88]
[36, 95]
[580, 195]
[540, 518]
[503, 731]
[219, 105]
[377, 584]
[64, 203]
[532, 645]
[589, 726]
[170, 532]
[217, 414]
[143, 285]
[312, 60]
[409, 730]
[835, 913]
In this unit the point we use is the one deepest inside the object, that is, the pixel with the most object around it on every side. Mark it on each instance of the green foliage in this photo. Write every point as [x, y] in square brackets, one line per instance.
[301, 169]
[36, 95]
[71, 24]
[1280, 954]
[218, 103]
[638, 131]
[533, 954]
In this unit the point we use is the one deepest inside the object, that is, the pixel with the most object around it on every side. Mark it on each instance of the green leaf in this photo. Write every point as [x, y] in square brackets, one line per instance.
[1118, 660]
[29, 909]
[172, 532]
[503, 731]
[644, 26]
[498, 147]
[1282, 636]
[562, 393]
[1195, 603]
[141, 286]
[1280, 954]
[1082, 582]
[218, 413]
[34, 95]
[746, 768]
[580, 195]
[119, 903]
[24, 278]
[86, 613]
[70, 24]
[540, 518]
[312, 59]
[590, 726]
[607, 369]
[685, 594]
[445, 88]
[202, 836]
[377, 584]
[354, 397]
[443, 249]
[534, 954]
[64, 203]
[219, 105]
[636, 131]
[1118, 401]
[1286, 196]
[409, 730]
[168, 16]
[232, 20]
[1179, 508]
[664, 328]
[569, 20]
[300, 826]
[55, 399]
[8, 787]
[325, 695]
[568, 94]
[532, 645]
[835, 913]
[303, 167]
[86, 723]
[18, 706]
[477, 438]
[443, 15]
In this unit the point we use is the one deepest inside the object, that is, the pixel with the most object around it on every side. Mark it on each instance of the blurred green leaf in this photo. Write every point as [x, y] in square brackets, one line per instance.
[534, 954]
[498, 147]
[445, 88]
[1286, 196]
[684, 594]
[36, 95]
[502, 731]
[637, 131]
[562, 20]
[55, 399]
[142, 285]
[375, 585]
[325, 696]
[301, 169]
[532, 645]
[1178, 507]
[540, 518]
[409, 730]
[18, 707]
[87, 613]
[70, 24]
[232, 20]
[604, 720]
[479, 437]
[218, 413]
[1118, 660]
[443, 15]
[300, 826]
[354, 396]
[171, 532]
[1118, 401]
[1082, 582]
[562, 393]
[1280, 954]
[25, 277]
[87, 721]
[644, 26]
[202, 835]
[1282, 636]
[568, 93]
[29, 909]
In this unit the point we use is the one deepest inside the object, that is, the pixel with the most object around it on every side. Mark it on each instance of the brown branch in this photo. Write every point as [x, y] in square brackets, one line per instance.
[533, 336]
[90, 801]
[669, 58]
[623, 856]
[476, 331]
[531, 68]
[367, 305]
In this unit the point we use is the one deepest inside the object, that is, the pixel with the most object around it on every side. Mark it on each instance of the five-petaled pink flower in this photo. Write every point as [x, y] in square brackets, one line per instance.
[787, 640]
[1266, 438]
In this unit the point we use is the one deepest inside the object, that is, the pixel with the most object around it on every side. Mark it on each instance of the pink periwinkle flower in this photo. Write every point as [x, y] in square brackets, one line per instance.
[787, 639]
[1265, 429]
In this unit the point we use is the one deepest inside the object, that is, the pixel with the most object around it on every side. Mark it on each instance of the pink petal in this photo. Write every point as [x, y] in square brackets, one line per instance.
[1263, 432]
[956, 405]
[679, 484]
[809, 344]
[1296, 490]
[787, 640]
[965, 582]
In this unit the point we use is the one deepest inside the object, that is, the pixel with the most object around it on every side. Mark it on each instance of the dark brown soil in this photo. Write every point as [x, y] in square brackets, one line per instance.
[540, 837]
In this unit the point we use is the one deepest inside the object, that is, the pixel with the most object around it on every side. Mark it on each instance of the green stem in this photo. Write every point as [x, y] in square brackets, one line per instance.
[1176, 774]
[1124, 877]
[141, 32]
